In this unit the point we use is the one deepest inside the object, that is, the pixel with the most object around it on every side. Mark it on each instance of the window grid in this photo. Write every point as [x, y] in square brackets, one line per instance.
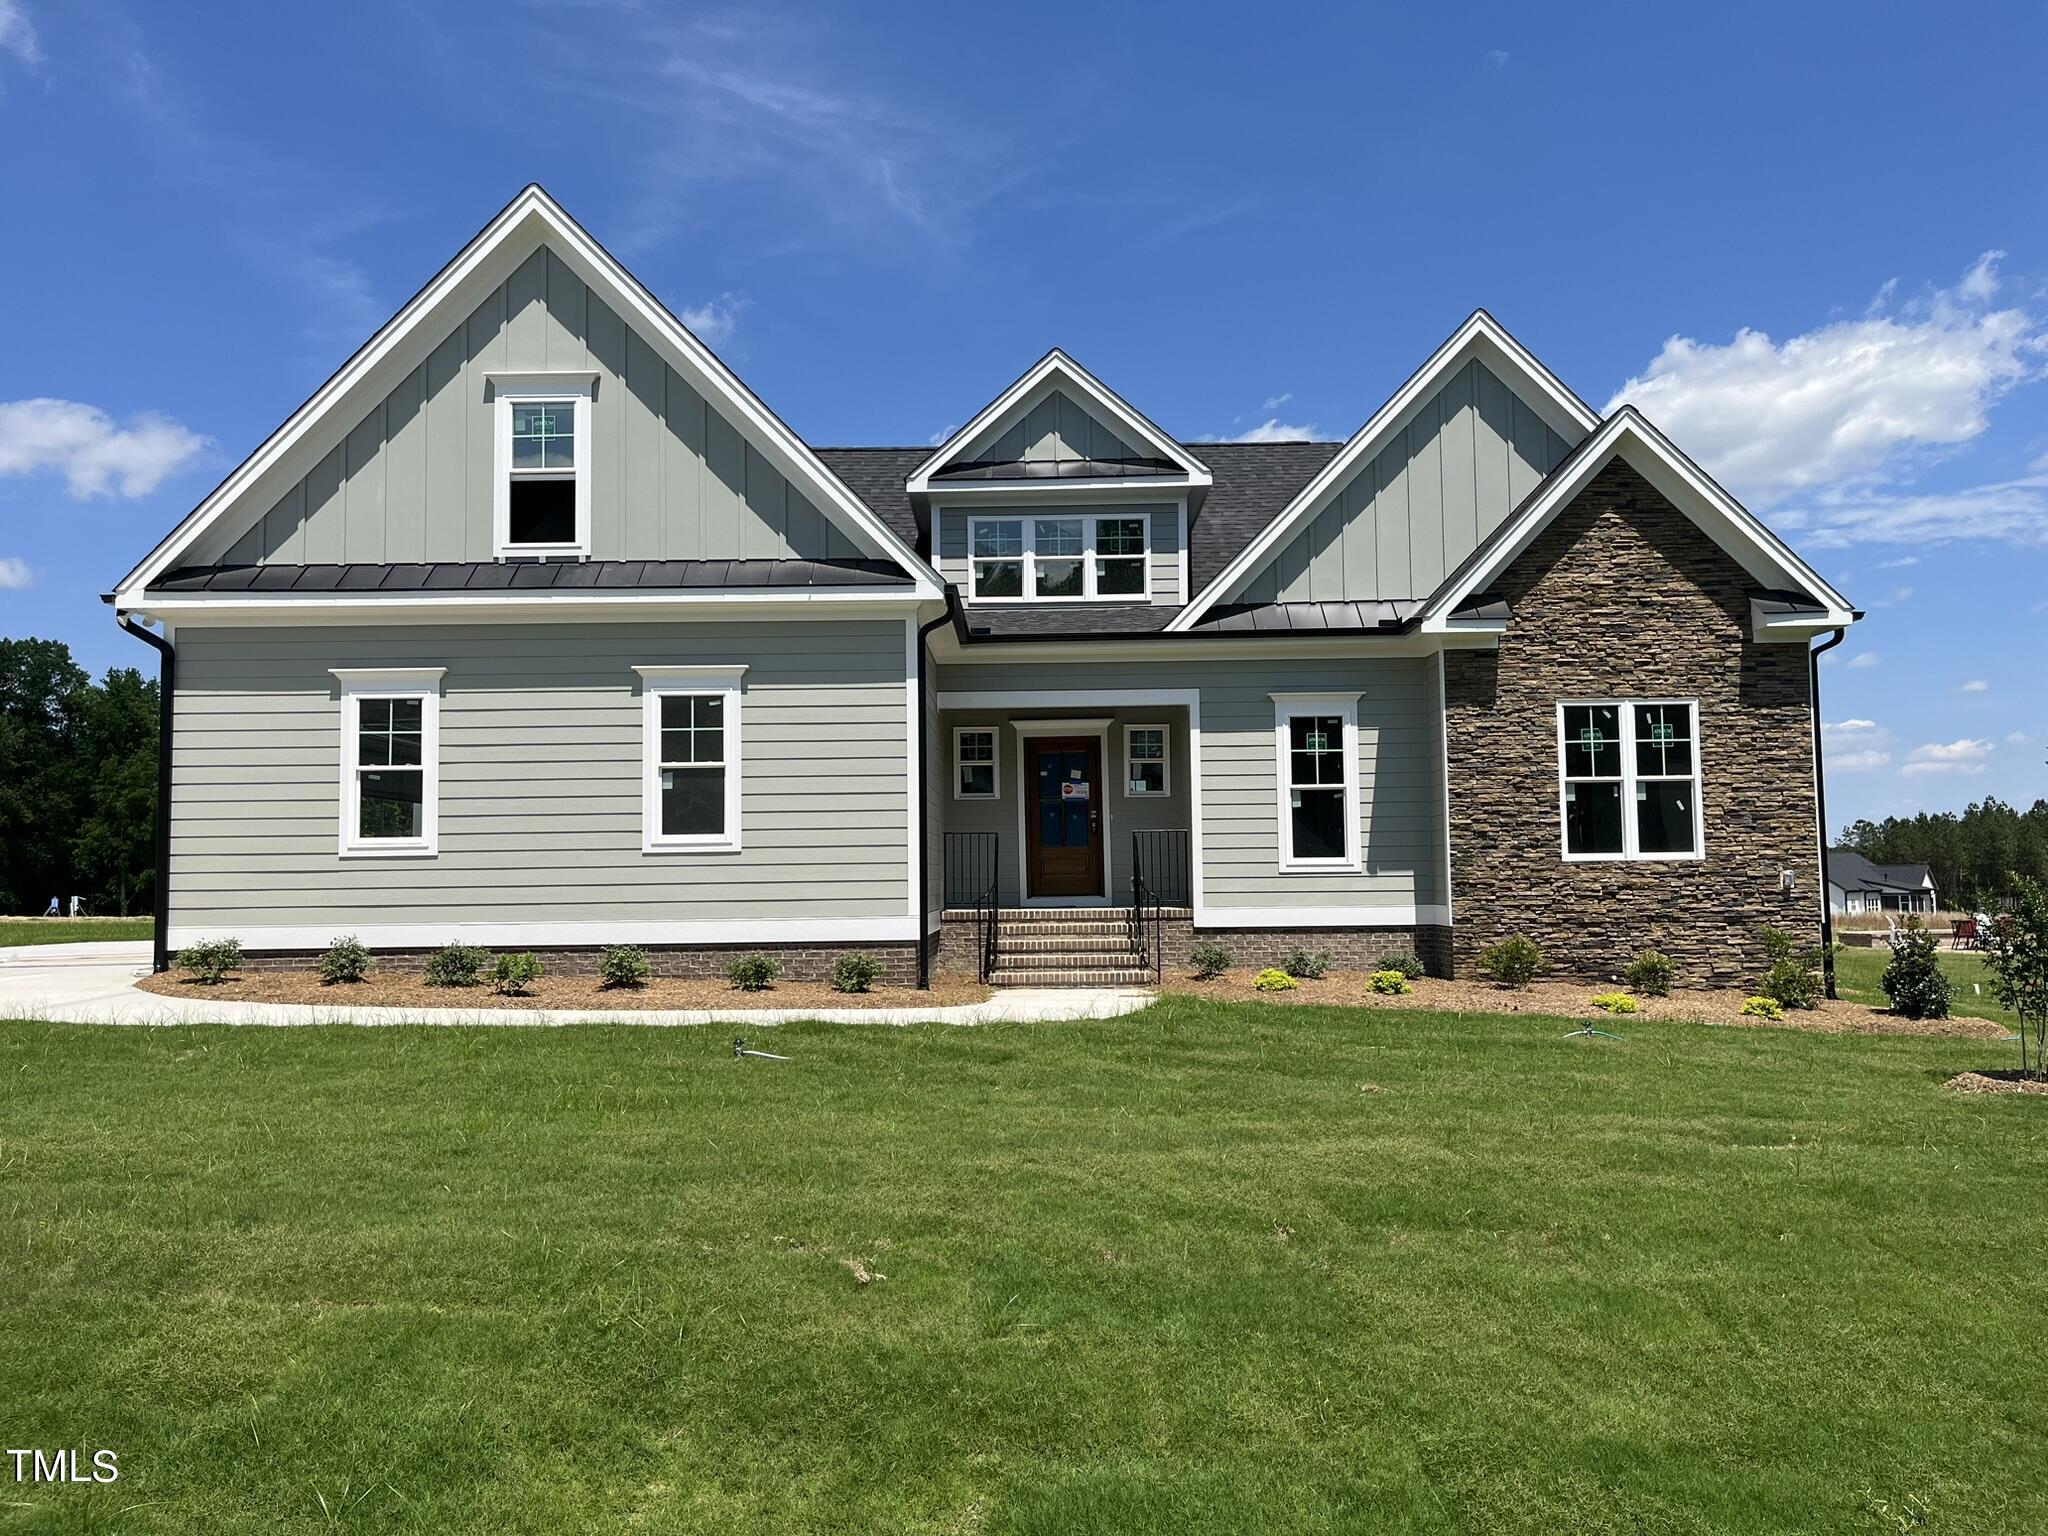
[1629, 780]
[1145, 760]
[1091, 558]
[1316, 774]
[691, 763]
[543, 437]
[975, 775]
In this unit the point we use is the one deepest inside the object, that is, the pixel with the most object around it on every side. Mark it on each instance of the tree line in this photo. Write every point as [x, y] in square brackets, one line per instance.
[1973, 854]
[77, 782]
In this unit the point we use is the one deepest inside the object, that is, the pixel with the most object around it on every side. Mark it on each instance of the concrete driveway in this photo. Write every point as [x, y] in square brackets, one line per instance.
[95, 984]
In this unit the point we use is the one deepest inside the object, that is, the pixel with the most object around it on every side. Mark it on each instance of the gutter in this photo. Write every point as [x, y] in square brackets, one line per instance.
[924, 794]
[166, 696]
[1820, 807]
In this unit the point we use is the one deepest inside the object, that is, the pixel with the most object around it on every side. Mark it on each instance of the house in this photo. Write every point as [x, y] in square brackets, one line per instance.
[536, 627]
[1857, 885]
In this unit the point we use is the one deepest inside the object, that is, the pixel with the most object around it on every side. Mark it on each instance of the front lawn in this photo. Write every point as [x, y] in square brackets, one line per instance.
[1860, 972]
[1204, 1268]
[71, 930]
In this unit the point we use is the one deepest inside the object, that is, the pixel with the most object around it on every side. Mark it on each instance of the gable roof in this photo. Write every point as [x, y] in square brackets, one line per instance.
[1058, 372]
[1481, 337]
[530, 219]
[1853, 872]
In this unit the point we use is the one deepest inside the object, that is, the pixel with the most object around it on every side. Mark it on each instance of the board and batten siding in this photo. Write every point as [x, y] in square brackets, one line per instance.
[670, 478]
[1404, 520]
[540, 765]
[1054, 430]
[1163, 540]
[1399, 793]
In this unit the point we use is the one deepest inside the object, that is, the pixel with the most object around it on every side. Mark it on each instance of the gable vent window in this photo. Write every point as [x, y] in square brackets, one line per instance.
[1629, 777]
[541, 500]
[1087, 558]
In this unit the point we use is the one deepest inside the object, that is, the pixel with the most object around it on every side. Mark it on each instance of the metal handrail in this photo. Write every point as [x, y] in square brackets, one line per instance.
[1145, 924]
[972, 862]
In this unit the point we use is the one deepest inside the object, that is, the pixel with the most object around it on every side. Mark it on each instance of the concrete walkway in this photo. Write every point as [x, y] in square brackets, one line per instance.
[95, 984]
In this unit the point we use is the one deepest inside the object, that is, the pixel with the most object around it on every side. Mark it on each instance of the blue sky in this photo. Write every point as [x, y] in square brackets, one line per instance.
[1816, 254]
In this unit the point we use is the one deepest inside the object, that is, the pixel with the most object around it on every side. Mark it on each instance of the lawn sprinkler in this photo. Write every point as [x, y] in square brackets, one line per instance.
[741, 1053]
[1586, 1031]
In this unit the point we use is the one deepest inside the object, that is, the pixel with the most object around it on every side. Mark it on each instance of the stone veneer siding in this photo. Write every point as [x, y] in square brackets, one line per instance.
[1623, 597]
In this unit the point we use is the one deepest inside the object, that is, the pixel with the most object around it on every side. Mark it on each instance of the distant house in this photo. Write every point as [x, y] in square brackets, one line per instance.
[1857, 885]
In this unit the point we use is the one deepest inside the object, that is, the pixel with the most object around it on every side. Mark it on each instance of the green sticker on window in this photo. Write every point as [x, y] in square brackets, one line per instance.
[1318, 742]
[1591, 739]
[1663, 733]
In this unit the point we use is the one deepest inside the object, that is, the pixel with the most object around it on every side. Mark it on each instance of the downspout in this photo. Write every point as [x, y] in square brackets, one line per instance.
[166, 693]
[924, 800]
[1820, 806]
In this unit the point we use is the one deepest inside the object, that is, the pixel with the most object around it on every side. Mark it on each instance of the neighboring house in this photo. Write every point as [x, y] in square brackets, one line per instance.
[1857, 885]
[535, 627]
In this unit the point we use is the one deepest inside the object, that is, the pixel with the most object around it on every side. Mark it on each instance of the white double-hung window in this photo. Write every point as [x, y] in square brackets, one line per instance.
[975, 774]
[1629, 779]
[390, 761]
[541, 491]
[1315, 742]
[1097, 556]
[690, 722]
[1146, 767]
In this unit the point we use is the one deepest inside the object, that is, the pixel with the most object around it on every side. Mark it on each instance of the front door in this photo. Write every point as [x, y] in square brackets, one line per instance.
[1063, 821]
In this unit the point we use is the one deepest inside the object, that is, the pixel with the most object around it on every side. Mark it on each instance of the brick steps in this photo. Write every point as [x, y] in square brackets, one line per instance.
[1067, 947]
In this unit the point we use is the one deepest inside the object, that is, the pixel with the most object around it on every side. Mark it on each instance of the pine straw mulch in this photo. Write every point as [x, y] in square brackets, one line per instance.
[1572, 1000]
[400, 989]
[1994, 1082]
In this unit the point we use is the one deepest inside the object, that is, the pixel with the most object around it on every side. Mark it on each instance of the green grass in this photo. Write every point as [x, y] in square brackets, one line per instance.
[1210, 1268]
[1859, 972]
[72, 930]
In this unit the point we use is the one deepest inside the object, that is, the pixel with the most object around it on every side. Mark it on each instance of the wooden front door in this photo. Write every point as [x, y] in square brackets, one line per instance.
[1063, 817]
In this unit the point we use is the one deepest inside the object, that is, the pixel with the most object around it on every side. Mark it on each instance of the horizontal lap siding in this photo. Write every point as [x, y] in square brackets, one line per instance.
[540, 806]
[1399, 789]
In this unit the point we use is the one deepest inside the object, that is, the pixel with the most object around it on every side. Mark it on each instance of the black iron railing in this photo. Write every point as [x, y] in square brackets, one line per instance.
[1160, 878]
[970, 868]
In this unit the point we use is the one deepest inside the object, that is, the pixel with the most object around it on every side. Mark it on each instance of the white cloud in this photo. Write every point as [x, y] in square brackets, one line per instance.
[1276, 402]
[1976, 685]
[943, 433]
[1840, 404]
[17, 36]
[1899, 564]
[1273, 430]
[2017, 738]
[14, 574]
[1868, 761]
[2013, 510]
[1865, 659]
[715, 320]
[1851, 727]
[1498, 57]
[1964, 756]
[96, 455]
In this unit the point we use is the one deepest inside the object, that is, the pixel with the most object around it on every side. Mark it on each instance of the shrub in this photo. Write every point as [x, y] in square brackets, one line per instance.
[1762, 1008]
[1914, 980]
[210, 962]
[1513, 962]
[855, 972]
[1404, 961]
[753, 973]
[458, 965]
[1389, 983]
[1271, 980]
[512, 972]
[623, 965]
[1306, 965]
[1614, 1002]
[1650, 973]
[1209, 961]
[345, 960]
[1793, 979]
[2017, 950]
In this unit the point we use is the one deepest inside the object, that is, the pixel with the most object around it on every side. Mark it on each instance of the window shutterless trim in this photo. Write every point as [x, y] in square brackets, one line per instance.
[1164, 760]
[1291, 706]
[1088, 554]
[993, 762]
[657, 683]
[508, 390]
[1626, 724]
[354, 685]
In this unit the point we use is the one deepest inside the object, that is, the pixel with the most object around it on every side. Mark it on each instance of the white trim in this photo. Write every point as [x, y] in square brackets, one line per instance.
[1443, 724]
[1322, 917]
[1165, 761]
[529, 220]
[1054, 371]
[1185, 595]
[1286, 707]
[353, 686]
[657, 683]
[994, 733]
[1099, 729]
[1629, 436]
[497, 606]
[508, 390]
[915, 830]
[1028, 520]
[1481, 337]
[1206, 647]
[1626, 724]
[549, 934]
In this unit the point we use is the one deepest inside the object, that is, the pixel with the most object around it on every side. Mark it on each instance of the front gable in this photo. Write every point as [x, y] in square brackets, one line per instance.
[1055, 432]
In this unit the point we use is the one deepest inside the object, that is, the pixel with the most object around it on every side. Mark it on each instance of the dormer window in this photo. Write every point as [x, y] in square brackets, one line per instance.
[542, 494]
[1081, 557]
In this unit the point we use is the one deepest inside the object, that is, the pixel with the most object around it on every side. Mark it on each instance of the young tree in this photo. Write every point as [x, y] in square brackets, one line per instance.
[2018, 952]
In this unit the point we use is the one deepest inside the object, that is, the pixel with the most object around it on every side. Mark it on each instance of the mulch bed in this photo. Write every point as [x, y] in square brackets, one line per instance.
[1571, 1000]
[1995, 1082]
[399, 990]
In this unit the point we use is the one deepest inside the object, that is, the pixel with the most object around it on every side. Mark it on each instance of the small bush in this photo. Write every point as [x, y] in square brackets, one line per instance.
[623, 965]
[1650, 973]
[1614, 1002]
[1513, 962]
[1762, 1008]
[459, 965]
[1209, 961]
[753, 973]
[1389, 983]
[855, 972]
[1271, 980]
[1405, 961]
[345, 960]
[210, 962]
[512, 973]
[1305, 964]
[1914, 980]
